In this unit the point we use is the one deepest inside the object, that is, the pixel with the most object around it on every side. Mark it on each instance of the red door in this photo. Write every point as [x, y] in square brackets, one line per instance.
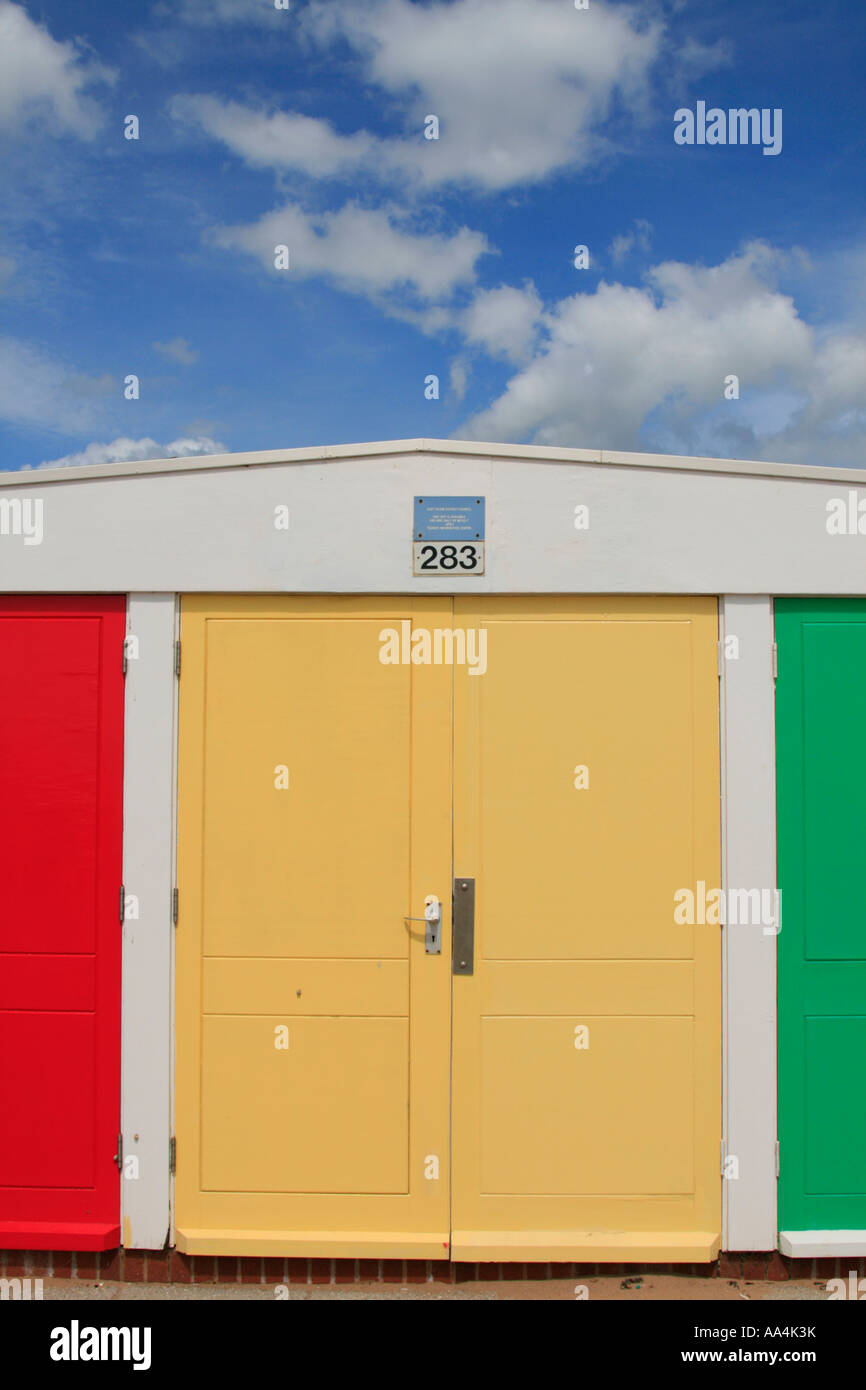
[61, 788]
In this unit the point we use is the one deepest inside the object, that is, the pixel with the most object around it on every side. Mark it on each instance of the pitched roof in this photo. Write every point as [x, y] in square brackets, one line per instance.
[530, 453]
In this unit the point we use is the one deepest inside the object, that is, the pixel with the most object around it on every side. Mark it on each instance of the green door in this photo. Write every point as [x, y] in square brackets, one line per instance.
[821, 828]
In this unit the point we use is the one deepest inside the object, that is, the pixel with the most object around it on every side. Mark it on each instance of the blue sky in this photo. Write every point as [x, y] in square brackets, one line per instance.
[412, 257]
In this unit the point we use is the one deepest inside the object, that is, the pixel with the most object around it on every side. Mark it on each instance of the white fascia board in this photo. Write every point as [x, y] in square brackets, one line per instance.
[456, 447]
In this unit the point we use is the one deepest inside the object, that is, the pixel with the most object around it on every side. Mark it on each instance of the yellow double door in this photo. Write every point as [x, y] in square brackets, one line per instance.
[547, 768]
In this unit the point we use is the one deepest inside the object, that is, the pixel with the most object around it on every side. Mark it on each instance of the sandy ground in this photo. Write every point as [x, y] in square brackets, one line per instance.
[617, 1289]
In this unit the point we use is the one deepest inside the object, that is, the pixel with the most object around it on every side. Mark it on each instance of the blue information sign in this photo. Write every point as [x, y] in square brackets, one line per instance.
[449, 519]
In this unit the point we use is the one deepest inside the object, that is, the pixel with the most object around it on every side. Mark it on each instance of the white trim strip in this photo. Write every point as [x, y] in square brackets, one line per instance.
[147, 939]
[749, 961]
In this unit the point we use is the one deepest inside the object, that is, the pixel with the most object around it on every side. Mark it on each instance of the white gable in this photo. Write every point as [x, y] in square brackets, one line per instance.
[656, 524]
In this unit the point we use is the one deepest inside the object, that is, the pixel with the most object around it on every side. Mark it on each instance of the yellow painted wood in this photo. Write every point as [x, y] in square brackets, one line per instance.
[535, 987]
[597, 1247]
[372, 988]
[292, 906]
[327, 1115]
[299, 897]
[419, 1245]
[610, 1151]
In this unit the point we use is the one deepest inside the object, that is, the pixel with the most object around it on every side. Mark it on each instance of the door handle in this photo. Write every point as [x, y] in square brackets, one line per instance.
[433, 924]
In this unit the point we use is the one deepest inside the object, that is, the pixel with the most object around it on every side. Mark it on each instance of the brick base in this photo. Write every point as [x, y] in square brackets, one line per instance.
[171, 1267]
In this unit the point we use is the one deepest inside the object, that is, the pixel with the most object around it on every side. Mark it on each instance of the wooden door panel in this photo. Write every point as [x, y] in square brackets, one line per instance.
[61, 761]
[312, 1026]
[821, 831]
[587, 1041]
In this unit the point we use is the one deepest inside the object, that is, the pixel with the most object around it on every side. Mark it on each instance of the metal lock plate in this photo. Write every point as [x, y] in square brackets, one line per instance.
[463, 934]
[433, 929]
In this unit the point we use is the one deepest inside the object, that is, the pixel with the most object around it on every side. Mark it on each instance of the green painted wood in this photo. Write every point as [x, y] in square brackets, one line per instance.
[821, 849]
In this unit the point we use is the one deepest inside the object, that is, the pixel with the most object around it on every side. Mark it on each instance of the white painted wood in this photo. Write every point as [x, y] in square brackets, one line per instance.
[816, 1244]
[148, 798]
[657, 525]
[749, 855]
[456, 447]
[173, 952]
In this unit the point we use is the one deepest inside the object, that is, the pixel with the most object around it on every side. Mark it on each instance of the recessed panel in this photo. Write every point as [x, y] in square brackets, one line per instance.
[305, 1105]
[611, 1115]
[48, 1099]
[307, 812]
[835, 1110]
[608, 704]
[834, 789]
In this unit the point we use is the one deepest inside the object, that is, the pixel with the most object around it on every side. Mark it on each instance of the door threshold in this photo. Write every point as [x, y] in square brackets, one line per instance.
[337, 1245]
[59, 1235]
[663, 1247]
[816, 1244]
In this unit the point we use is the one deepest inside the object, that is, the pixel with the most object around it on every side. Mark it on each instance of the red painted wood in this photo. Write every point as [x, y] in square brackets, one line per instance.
[61, 814]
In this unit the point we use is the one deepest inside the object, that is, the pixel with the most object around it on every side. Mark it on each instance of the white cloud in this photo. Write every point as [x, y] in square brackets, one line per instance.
[504, 321]
[692, 58]
[37, 389]
[624, 367]
[178, 350]
[124, 450]
[370, 252]
[638, 237]
[522, 89]
[280, 140]
[459, 377]
[43, 79]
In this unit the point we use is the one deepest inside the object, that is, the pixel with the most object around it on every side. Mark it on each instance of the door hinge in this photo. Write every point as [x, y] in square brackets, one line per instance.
[775, 660]
[778, 1158]
[172, 1156]
[177, 658]
[175, 899]
[118, 1157]
[720, 650]
[123, 660]
[122, 904]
